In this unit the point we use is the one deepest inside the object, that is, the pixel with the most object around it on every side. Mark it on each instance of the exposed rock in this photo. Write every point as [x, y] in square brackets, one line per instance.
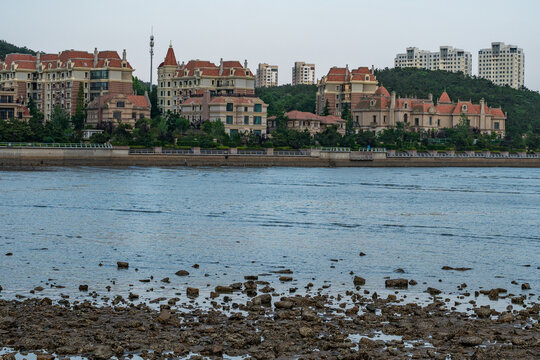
[165, 280]
[362, 254]
[103, 352]
[285, 278]
[432, 291]
[44, 357]
[122, 264]
[83, 287]
[164, 316]
[470, 341]
[456, 269]
[9, 254]
[310, 315]
[251, 277]
[359, 281]
[399, 270]
[283, 304]
[264, 299]
[192, 292]
[223, 289]
[285, 271]
[413, 282]
[525, 286]
[305, 331]
[181, 273]
[483, 312]
[397, 283]
[195, 266]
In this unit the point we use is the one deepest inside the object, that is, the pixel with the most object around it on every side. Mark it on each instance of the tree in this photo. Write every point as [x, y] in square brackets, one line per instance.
[79, 117]
[154, 111]
[326, 109]
[346, 115]
[60, 125]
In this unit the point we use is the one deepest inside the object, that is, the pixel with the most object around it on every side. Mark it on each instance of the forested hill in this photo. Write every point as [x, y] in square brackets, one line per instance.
[7, 48]
[288, 97]
[522, 106]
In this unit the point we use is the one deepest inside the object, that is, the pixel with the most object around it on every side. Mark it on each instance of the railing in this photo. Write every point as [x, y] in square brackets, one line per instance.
[177, 151]
[378, 150]
[252, 152]
[55, 145]
[292, 153]
[214, 152]
[404, 154]
[335, 149]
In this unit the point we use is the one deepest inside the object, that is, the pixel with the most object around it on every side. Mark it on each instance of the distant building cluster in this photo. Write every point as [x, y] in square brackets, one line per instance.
[267, 75]
[303, 74]
[54, 79]
[502, 64]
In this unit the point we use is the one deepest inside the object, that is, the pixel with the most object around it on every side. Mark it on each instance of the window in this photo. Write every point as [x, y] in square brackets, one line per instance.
[257, 120]
[246, 120]
[245, 108]
[117, 115]
[430, 120]
[233, 132]
[416, 121]
[229, 106]
[257, 132]
[438, 122]
[258, 108]
[134, 115]
[374, 119]
[99, 74]
[405, 118]
[229, 119]
[120, 104]
[496, 125]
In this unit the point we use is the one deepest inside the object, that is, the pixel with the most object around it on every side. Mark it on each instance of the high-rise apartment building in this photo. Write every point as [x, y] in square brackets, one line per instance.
[303, 74]
[267, 75]
[502, 64]
[54, 79]
[447, 59]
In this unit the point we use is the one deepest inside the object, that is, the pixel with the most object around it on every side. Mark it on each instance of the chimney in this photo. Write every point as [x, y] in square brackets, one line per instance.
[430, 97]
[373, 69]
[221, 67]
[95, 57]
[245, 64]
[124, 55]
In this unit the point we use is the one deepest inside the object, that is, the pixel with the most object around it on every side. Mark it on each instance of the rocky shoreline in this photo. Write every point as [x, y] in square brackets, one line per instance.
[250, 320]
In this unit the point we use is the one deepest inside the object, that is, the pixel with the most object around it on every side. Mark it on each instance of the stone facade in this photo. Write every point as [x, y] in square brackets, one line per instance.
[502, 64]
[382, 111]
[303, 74]
[447, 59]
[116, 109]
[239, 114]
[54, 79]
[342, 87]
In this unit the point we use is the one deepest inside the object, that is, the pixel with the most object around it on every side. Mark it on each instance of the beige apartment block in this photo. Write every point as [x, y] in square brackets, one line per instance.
[303, 74]
[239, 114]
[179, 82]
[267, 75]
[117, 109]
[502, 64]
[447, 59]
[342, 87]
[54, 79]
[383, 110]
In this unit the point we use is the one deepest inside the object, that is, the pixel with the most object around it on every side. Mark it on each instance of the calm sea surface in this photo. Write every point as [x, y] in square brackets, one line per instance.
[61, 223]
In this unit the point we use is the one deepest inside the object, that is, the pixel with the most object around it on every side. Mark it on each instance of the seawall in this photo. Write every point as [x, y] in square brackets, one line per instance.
[121, 157]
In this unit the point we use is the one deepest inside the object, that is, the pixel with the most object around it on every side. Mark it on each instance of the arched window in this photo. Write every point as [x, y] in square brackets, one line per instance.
[405, 118]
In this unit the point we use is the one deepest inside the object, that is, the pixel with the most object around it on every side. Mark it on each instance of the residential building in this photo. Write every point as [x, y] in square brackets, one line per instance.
[178, 82]
[301, 121]
[383, 110]
[342, 87]
[267, 75]
[303, 74]
[54, 79]
[117, 109]
[239, 114]
[447, 59]
[502, 64]
[11, 107]
[202, 91]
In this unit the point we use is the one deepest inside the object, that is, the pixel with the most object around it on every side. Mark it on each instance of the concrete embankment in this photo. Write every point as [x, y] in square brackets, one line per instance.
[37, 157]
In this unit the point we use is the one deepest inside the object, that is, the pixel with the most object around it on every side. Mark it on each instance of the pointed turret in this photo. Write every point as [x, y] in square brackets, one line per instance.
[170, 58]
[445, 98]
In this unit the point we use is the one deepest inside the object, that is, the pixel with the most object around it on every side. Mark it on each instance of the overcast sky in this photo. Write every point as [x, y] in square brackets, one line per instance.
[327, 33]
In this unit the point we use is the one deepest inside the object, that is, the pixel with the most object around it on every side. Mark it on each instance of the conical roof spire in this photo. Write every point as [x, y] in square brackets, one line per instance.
[170, 58]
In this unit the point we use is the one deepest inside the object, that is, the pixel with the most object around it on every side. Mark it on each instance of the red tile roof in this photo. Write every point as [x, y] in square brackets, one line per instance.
[139, 100]
[497, 112]
[381, 90]
[232, 64]
[445, 98]
[302, 115]
[170, 58]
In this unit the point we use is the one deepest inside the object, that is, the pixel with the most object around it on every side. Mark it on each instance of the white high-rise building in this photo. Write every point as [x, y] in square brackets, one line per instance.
[502, 64]
[303, 74]
[267, 75]
[447, 59]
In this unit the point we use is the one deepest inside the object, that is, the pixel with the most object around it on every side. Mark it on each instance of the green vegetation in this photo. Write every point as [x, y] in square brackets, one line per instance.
[7, 48]
[281, 99]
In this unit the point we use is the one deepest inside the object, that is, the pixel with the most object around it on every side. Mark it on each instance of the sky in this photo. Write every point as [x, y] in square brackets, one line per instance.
[278, 32]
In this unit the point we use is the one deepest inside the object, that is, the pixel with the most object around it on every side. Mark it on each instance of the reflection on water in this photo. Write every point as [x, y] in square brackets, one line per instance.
[60, 224]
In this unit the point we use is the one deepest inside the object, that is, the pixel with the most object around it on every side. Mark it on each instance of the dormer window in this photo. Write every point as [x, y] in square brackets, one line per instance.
[367, 77]
[372, 103]
[405, 105]
[464, 108]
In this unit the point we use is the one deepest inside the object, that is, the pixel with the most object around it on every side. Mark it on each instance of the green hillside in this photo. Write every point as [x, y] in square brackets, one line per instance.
[7, 48]
[288, 97]
[522, 106]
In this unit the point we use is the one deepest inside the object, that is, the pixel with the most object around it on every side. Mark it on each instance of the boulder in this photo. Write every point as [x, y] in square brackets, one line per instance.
[164, 316]
[45, 357]
[305, 331]
[103, 352]
[251, 277]
[192, 292]
[483, 312]
[397, 283]
[182, 273]
[285, 278]
[223, 289]
[470, 340]
[525, 286]
[310, 315]
[283, 304]
[359, 281]
[264, 299]
[83, 287]
[432, 291]
[122, 264]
